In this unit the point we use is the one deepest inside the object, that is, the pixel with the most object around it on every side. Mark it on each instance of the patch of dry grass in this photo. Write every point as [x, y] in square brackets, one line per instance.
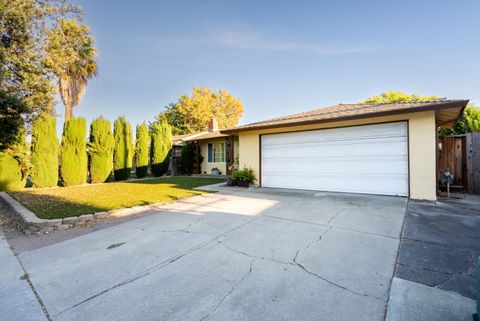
[85, 199]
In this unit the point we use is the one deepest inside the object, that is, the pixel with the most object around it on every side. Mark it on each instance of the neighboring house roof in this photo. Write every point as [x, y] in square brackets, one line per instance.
[448, 111]
[179, 140]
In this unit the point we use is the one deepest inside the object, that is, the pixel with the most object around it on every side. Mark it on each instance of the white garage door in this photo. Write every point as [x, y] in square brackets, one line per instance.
[371, 159]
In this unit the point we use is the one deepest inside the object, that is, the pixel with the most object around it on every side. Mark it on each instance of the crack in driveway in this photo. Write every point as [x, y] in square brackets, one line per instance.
[158, 266]
[234, 286]
[295, 262]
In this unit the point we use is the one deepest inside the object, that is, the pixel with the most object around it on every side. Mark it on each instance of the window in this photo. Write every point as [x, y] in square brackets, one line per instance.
[216, 152]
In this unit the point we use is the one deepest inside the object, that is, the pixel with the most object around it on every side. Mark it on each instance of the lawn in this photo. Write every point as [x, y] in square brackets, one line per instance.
[62, 202]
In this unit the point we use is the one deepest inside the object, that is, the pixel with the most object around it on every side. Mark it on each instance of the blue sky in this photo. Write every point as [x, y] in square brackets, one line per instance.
[278, 57]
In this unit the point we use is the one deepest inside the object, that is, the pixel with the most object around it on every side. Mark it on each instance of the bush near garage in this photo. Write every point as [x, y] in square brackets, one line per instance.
[243, 177]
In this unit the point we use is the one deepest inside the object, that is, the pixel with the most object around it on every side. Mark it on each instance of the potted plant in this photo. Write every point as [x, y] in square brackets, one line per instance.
[243, 177]
[216, 171]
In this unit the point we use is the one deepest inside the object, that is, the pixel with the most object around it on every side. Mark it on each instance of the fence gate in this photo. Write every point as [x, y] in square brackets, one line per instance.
[461, 155]
[452, 156]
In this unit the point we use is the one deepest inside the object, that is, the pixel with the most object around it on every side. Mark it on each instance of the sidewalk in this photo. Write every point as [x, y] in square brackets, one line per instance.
[18, 300]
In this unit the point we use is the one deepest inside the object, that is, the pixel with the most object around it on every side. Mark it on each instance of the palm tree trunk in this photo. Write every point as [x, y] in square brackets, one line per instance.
[68, 112]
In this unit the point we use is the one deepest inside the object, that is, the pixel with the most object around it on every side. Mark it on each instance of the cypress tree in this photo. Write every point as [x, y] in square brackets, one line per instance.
[100, 150]
[13, 162]
[141, 151]
[44, 151]
[122, 156]
[73, 154]
[161, 137]
[11, 178]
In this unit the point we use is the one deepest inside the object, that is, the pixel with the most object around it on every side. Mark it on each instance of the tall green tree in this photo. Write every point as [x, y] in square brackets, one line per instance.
[100, 150]
[123, 153]
[73, 154]
[12, 110]
[469, 122]
[72, 57]
[397, 97]
[44, 156]
[14, 165]
[141, 151]
[192, 113]
[174, 118]
[161, 141]
[24, 73]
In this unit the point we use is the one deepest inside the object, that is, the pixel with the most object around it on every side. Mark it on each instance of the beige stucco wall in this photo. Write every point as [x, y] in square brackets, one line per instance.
[422, 157]
[206, 167]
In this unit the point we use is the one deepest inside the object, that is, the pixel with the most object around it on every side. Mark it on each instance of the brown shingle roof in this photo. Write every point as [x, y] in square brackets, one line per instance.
[350, 111]
[206, 135]
[178, 140]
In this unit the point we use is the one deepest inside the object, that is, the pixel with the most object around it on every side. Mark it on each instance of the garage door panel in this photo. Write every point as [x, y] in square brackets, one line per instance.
[351, 150]
[364, 184]
[364, 159]
[360, 165]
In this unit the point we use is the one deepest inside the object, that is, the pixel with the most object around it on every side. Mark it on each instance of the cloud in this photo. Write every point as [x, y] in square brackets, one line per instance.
[247, 39]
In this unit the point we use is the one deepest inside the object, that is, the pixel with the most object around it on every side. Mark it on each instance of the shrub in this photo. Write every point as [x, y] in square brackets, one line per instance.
[161, 137]
[73, 153]
[141, 151]
[122, 156]
[44, 156]
[246, 174]
[11, 176]
[187, 157]
[100, 150]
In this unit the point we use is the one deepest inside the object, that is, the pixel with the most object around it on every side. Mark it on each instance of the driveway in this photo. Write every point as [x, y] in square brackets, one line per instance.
[237, 255]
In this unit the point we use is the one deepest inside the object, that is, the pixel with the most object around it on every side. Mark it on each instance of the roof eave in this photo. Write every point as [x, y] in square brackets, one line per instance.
[453, 104]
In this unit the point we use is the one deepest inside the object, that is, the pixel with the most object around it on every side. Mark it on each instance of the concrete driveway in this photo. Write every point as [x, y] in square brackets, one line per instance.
[249, 255]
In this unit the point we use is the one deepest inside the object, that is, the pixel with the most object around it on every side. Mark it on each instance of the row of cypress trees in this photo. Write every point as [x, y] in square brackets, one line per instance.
[105, 151]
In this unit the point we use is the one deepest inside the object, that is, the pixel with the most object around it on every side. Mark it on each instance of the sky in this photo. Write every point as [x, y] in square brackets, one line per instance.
[278, 57]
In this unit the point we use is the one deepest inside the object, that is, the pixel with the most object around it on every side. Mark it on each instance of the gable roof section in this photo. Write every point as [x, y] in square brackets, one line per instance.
[178, 140]
[358, 111]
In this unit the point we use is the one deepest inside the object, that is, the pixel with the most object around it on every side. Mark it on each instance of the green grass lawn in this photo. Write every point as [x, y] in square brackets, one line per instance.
[86, 199]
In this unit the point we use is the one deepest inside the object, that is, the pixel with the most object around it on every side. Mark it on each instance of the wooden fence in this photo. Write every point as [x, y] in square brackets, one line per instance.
[473, 162]
[461, 155]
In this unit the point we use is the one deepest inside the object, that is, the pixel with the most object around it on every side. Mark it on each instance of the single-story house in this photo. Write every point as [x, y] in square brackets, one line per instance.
[217, 150]
[385, 149]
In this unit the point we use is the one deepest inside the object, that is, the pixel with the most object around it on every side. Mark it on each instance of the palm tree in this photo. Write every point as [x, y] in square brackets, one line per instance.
[72, 57]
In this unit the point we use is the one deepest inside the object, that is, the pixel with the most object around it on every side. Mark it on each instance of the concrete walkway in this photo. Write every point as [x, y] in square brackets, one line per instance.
[17, 300]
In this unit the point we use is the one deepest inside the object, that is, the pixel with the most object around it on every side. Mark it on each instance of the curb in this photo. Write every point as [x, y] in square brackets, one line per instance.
[30, 223]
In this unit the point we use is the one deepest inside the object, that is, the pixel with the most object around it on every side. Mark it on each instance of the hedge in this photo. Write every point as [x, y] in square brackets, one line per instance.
[100, 150]
[141, 151]
[44, 148]
[161, 141]
[73, 154]
[122, 156]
